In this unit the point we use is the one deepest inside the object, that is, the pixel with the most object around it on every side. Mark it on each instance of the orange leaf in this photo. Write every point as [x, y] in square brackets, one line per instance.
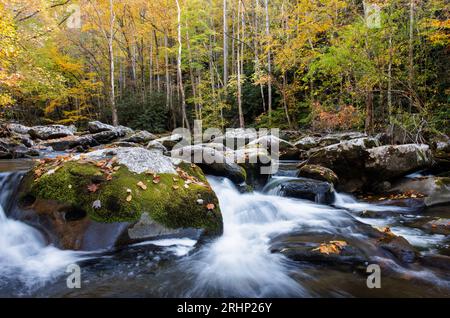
[93, 187]
[210, 206]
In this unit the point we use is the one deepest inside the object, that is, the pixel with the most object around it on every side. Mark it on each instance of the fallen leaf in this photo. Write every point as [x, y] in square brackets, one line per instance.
[70, 186]
[38, 172]
[333, 247]
[175, 187]
[116, 168]
[129, 191]
[129, 198]
[156, 179]
[210, 206]
[186, 186]
[141, 185]
[175, 179]
[93, 187]
[109, 177]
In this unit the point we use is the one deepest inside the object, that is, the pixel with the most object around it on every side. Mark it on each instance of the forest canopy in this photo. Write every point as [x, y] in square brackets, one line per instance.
[160, 64]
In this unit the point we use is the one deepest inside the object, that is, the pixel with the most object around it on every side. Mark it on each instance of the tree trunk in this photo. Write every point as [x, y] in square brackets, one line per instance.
[115, 119]
[180, 74]
[369, 111]
[225, 44]
[411, 52]
[269, 64]
[239, 87]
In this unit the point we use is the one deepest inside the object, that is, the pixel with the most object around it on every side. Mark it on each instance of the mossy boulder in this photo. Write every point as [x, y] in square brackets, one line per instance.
[122, 186]
[319, 173]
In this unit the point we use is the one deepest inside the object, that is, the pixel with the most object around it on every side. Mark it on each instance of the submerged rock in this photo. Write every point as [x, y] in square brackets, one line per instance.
[118, 186]
[307, 189]
[51, 131]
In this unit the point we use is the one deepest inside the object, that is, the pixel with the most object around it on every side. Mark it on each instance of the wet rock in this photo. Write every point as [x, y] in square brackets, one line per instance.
[51, 131]
[310, 142]
[11, 148]
[318, 173]
[257, 164]
[434, 226]
[277, 147]
[438, 261]
[140, 137]
[307, 189]
[112, 187]
[212, 162]
[398, 246]
[435, 189]
[124, 144]
[387, 162]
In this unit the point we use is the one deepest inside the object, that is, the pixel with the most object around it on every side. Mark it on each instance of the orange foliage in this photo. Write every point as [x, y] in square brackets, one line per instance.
[347, 117]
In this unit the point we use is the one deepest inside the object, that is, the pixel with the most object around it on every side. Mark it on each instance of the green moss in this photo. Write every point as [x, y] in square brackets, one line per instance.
[172, 207]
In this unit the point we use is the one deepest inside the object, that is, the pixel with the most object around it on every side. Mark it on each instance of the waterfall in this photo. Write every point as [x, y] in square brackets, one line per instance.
[24, 253]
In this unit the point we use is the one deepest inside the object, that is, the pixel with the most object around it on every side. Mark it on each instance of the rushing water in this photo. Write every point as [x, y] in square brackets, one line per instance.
[237, 264]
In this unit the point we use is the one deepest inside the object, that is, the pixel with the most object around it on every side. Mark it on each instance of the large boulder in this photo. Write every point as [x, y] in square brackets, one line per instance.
[81, 142]
[436, 190]
[18, 128]
[51, 131]
[277, 147]
[441, 153]
[11, 148]
[128, 194]
[211, 161]
[388, 162]
[97, 127]
[140, 137]
[237, 138]
[310, 142]
[257, 163]
[346, 159]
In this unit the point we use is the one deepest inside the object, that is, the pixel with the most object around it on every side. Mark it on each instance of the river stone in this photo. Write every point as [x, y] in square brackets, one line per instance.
[97, 127]
[51, 131]
[105, 186]
[387, 162]
[236, 138]
[18, 128]
[70, 142]
[173, 140]
[156, 146]
[137, 160]
[279, 148]
[140, 137]
[435, 189]
[319, 173]
[212, 162]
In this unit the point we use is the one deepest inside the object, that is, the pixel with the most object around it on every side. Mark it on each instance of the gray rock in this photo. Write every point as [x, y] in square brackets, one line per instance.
[97, 127]
[173, 140]
[276, 146]
[51, 131]
[136, 159]
[60, 144]
[435, 189]
[18, 128]
[318, 173]
[387, 162]
[157, 146]
[140, 137]
[211, 161]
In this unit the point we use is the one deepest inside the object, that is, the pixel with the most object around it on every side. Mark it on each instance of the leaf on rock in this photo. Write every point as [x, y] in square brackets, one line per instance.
[141, 185]
[210, 206]
[156, 179]
[333, 247]
[38, 172]
[93, 187]
[175, 187]
[129, 198]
